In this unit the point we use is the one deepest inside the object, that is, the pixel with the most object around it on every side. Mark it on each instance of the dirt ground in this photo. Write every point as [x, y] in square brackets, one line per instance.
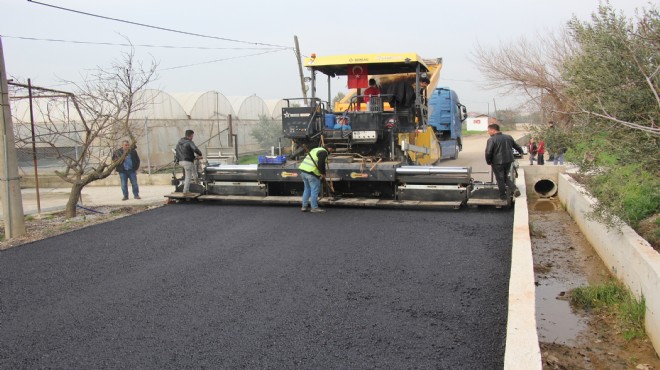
[570, 338]
[52, 224]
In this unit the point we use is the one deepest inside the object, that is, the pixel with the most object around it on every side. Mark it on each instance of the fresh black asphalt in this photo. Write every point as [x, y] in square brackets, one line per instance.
[225, 286]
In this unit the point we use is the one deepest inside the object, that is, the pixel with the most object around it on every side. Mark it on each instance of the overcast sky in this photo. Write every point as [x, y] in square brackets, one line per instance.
[446, 29]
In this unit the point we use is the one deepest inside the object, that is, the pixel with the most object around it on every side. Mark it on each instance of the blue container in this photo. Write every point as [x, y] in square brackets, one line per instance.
[267, 159]
[329, 120]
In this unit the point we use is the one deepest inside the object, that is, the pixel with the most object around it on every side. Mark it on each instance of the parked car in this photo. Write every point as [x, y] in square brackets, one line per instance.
[519, 155]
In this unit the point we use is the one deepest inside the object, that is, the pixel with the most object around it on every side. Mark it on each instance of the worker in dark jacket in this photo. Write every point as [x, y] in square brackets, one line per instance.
[127, 169]
[313, 170]
[499, 155]
[186, 153]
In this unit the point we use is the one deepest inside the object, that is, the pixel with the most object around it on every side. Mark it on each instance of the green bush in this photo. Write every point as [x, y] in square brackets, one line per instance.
[627, 192]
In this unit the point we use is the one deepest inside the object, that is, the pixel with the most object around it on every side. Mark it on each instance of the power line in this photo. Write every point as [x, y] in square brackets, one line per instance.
[130, 45]
[219, 60]
[193, 65]
[157, 27]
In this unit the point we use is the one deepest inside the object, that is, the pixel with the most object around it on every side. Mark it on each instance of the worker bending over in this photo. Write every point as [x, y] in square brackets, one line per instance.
[313, 170]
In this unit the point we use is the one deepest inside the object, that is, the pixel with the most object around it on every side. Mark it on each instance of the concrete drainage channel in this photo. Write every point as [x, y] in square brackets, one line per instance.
[535, 312]
[563, 259]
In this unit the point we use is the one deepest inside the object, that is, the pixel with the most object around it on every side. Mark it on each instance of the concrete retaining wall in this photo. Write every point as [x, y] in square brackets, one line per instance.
[522, 342]
[53, 181]
[628, 256]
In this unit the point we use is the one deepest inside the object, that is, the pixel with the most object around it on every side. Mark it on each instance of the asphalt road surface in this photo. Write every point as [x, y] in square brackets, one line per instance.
[211, 286]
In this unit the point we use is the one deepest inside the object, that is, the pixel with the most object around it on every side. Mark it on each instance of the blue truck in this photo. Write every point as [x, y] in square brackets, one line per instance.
[446, 116]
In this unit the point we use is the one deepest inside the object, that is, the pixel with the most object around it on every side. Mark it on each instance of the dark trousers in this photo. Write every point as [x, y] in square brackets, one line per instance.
[541, 160]
[501, 172]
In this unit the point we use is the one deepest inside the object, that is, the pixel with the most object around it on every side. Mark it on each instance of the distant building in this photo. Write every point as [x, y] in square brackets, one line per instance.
[479, 123]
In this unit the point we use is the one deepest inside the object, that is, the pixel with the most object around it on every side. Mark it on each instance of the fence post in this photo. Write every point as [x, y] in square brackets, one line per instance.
[146, 136]
[230, 131]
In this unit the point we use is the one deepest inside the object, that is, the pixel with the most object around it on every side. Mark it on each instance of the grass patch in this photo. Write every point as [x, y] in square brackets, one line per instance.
[472, 133]
[628, 192]
[248, 159]
[613, 299]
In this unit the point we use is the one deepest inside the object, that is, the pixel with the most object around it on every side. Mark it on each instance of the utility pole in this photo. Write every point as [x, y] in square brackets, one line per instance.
[34, 149]
[300, 70]
[10, 187]
[495, 107]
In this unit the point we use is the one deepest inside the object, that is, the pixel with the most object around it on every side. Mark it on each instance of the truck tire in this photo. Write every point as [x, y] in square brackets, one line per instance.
[456, 150]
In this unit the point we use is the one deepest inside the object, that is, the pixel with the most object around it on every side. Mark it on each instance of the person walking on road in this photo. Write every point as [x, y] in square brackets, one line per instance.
[186, 153]
[313, 170]
[499, 155]
[127, 169]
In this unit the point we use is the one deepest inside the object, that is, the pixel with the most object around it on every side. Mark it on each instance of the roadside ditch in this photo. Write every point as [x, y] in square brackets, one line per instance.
[573, 338]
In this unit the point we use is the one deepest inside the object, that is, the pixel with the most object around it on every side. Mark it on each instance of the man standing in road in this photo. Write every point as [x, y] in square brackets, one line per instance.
[313, 169]
[127, 169]
[186, 153]
[499, 155]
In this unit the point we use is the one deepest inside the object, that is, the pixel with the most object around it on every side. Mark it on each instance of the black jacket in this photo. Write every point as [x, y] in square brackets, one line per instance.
[403, 94]
[186, 150]
[498, 149]
[135, 160]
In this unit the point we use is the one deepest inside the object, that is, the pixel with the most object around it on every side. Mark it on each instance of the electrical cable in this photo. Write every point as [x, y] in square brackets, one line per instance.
[157, 27]
[219, 60]
[130, 45]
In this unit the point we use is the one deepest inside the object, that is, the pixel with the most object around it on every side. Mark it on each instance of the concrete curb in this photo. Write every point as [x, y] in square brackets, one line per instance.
[522, 342]
[53, 181]
[628, 256]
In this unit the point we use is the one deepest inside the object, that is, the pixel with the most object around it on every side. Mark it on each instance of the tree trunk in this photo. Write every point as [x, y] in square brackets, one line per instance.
[74, 196]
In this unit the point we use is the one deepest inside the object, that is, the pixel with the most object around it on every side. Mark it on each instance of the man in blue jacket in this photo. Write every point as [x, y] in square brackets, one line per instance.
[499, 155]
[127, 169]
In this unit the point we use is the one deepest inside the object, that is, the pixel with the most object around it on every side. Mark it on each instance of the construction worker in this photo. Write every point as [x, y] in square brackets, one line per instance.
[499, 155]
[313, 170]
[186, 153]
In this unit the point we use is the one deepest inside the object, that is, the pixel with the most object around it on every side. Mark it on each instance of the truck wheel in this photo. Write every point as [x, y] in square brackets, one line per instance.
[456, 149]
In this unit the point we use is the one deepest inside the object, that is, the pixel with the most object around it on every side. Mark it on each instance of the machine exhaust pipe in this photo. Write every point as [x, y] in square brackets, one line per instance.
[545, 188]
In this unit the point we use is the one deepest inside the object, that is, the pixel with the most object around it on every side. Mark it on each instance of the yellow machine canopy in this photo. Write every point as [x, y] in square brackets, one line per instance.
[376, 64]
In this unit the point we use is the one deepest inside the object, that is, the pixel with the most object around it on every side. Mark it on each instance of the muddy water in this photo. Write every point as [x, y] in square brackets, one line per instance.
[564, 260]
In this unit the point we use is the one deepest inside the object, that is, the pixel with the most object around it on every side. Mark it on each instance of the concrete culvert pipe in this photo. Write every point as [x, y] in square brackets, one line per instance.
[545, 188]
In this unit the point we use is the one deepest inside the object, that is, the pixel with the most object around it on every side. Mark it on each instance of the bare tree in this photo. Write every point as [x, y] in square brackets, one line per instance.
[105, 103]
[532, 68]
